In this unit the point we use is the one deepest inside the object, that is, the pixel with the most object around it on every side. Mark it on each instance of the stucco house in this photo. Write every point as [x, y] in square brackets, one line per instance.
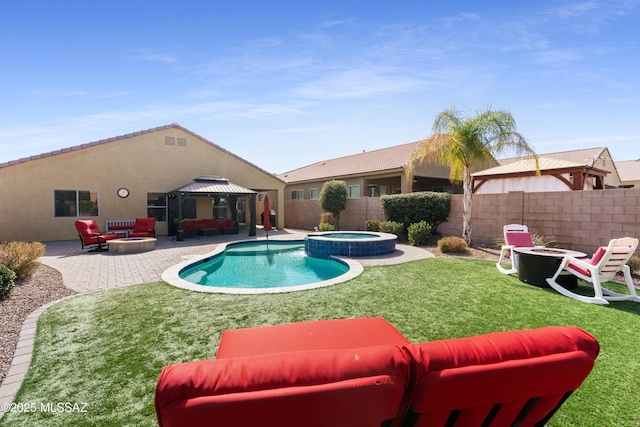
[131, 176]
[629, 171]
[368, 174]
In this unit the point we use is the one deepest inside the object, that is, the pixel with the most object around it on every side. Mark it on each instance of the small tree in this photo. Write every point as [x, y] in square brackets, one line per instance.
[333, 199]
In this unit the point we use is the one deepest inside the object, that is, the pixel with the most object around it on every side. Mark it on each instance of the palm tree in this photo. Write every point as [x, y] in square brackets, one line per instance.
[463, 143]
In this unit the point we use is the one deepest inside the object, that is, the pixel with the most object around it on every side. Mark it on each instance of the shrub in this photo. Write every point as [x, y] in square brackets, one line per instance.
[7, 280]
[333, 198]
[372, 225]
[21, 257]
[325, 226]
[452, 245]
[393, 227]
[634, 263]
[419, 233]
[412, 208]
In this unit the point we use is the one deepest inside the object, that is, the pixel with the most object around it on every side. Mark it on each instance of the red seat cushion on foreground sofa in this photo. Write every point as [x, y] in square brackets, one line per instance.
[356, 387]
[466, 378]
[312, 335]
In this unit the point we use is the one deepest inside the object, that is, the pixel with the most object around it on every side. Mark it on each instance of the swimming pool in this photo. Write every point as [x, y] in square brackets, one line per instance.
[253, 267]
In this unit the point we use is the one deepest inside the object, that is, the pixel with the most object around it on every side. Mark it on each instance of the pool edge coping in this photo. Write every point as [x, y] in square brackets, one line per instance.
[172, 274]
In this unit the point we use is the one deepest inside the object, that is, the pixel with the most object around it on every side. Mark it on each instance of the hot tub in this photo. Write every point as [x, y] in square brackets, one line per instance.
[349, 243]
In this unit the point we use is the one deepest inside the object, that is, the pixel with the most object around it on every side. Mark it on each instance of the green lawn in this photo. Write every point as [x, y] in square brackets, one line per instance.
[107, 349]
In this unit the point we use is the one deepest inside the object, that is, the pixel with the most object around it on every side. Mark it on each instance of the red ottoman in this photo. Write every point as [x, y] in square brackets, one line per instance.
[339, 334]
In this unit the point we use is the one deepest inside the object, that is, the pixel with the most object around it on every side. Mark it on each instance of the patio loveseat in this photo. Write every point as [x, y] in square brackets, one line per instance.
[363, 372]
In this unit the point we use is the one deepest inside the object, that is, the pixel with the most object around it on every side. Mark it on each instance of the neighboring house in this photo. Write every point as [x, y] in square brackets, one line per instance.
[368, 174]
[629, 171]
[129, 176]
[585, 169]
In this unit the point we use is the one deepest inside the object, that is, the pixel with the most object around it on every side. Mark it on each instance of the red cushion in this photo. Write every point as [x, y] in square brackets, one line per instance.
[518, 239]
[144, 224]
[120, 227]
[313, 335]
[356, 387]
[473, 374]
[595, 259]
[210, 223]
[230, 223]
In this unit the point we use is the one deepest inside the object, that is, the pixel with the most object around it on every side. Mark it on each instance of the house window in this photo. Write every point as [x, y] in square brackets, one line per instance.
[75, 203]
[220, 207]
[313, 194]
[384, 190]
[354, 191]
[261, 197]
[297, 195]
[157, 206]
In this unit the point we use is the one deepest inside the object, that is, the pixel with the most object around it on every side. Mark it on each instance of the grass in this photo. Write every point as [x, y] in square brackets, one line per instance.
[107, 349]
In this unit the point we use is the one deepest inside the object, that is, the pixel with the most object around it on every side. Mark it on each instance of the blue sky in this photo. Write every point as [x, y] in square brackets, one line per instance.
[287, 83]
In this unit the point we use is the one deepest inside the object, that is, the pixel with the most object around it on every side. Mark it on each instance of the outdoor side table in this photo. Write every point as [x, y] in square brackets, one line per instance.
[536, 265]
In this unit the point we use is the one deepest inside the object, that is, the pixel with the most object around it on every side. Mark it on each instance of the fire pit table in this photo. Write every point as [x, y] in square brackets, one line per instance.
[132, 245]
[536, 265]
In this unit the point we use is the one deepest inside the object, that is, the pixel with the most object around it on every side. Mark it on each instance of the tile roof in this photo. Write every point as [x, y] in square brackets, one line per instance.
[383, 159]
[129, 135]
[628, 170]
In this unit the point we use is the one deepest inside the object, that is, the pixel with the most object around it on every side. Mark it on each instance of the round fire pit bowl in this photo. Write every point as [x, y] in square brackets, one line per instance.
[132, 245]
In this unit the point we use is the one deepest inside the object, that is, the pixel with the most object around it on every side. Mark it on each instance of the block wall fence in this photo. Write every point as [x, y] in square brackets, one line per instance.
[578, 220]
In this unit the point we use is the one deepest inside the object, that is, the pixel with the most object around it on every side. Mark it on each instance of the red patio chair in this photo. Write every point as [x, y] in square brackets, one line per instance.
[144, 227]
[91, 236]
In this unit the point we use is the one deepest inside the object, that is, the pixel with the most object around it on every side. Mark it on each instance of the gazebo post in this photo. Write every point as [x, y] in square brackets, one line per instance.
[180, 230]
[252, 214]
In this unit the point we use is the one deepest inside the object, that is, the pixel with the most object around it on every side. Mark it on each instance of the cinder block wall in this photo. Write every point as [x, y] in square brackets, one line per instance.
[579, 220]
[305, 214]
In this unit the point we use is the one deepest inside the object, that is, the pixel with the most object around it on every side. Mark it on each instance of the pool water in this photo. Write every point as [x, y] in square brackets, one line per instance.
[262, 265]
[335, 235]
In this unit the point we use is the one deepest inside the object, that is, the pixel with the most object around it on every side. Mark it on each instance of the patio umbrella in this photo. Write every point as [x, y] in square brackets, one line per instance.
[266, 222]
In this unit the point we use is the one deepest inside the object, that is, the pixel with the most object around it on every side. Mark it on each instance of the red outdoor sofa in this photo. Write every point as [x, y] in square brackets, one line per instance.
[363, 372]
[209, 227]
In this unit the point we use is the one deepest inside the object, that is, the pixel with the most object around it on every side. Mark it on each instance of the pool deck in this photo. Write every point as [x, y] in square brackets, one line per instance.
[85, 271]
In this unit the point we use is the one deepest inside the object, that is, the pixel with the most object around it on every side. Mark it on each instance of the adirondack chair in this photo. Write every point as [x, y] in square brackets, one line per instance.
[515, 236]
[601, 267]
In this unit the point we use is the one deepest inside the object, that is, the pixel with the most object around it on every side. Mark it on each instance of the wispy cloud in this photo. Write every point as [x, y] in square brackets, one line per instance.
[576, 9]
[147, 55]
[71, 93]
[360, 83]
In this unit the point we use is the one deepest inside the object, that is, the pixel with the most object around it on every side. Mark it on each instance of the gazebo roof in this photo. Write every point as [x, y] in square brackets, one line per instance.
[207, 185]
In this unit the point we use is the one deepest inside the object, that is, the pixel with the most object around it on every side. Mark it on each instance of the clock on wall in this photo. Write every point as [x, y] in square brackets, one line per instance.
[123, 192]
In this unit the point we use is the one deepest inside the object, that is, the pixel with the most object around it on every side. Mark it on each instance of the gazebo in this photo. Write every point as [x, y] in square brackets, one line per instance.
[555, 175]
[215, 186]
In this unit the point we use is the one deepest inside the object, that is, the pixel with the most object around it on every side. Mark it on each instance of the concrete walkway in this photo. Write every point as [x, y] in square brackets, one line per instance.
[85, 271]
